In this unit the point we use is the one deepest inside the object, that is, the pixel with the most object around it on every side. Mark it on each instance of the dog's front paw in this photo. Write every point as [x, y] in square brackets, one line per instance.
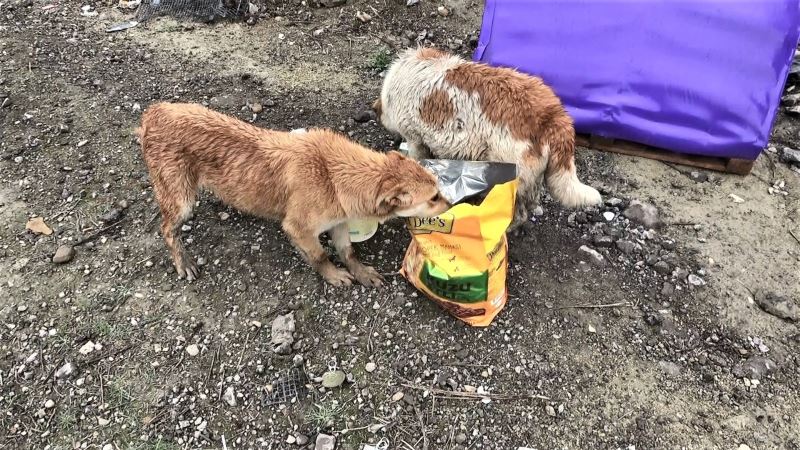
[337, 277]
[187, 268]
[368, 276]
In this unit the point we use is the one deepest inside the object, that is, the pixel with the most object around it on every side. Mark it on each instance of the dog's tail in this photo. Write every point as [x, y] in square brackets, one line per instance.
[562, 180]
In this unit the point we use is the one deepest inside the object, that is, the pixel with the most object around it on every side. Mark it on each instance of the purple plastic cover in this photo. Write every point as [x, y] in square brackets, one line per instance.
[700, 77]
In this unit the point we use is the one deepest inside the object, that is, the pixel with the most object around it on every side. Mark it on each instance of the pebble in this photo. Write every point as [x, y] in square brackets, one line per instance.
[333, 379]
[49, 404]
[223, 216]
[192, 350]
[103, 421]
[603, 241]
[592, 255]
[282, 334]
[365, 116]
[694, 280]
[112, 216]
[363, 17]
[670, 368]
[550, 410]
[698, 177]
[736, 198]
[398, 396]
[461, 438]
[325, 442]
[791, 155]
[444, 12]
[301, 439]
[779, 306]
[370, 367]
[609, 216]
[754, 368]
[87, 348]
[668, 289]
[643, 213]
[626, 246]
[229, 396]
[108, 447]
[64, 254]
[65, 370]
[663, 268]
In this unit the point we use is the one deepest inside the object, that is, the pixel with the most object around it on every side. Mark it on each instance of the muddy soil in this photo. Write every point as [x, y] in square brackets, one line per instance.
[660, 345]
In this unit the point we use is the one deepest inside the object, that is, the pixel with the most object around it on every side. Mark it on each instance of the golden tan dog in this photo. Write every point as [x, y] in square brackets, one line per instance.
[312, 182]
[456, 109]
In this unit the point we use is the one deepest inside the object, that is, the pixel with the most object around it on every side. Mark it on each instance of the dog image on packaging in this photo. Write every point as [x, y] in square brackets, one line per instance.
[311, 182]
[450, 108]
[459, 259]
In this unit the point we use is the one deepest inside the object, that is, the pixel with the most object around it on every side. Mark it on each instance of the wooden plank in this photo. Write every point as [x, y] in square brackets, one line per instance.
[727, 165]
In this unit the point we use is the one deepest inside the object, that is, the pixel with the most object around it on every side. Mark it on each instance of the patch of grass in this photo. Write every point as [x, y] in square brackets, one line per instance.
[380, 60]
[324, 414]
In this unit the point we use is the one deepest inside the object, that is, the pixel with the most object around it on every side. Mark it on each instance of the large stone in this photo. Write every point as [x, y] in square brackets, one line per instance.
[755, 368]
[643, 213]
[64, 254]
[282, 334]
[779, 306]
[325, 442]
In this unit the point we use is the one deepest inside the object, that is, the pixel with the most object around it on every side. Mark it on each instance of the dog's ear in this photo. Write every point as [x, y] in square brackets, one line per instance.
[392, 196]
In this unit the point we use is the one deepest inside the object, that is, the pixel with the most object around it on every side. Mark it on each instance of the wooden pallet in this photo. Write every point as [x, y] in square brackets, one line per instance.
[728, 165]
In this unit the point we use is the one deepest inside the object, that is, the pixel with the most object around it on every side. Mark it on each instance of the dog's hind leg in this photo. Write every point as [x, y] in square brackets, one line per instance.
[306, 241]
[176, 199]
[365, 275]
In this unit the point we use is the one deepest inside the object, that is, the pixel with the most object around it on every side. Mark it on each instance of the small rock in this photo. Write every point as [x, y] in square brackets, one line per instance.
[643, 213]
[112, 216]
[229, 396]
[103, 421]
[668, 289]
[609, 216]
[333, 379]
[592, 329]
[755, 368]
[461, 438]
[670, 368]
[282, 329]
[698, 177]
[781, 307]
[365, 116]
[301, 439]
[363, 17]
[370, 367]
[49, 404]
[550, 410]
[398, 396]
[291, 439]
[65, 370]
[736, 198]
[626, 246]
[694, 280]
[791, 156]
[192, 350]
[64, 254]
[538, 211]
[224, 216]
[592, 255]
[603, 241]
[256, 108]
[86, 348]
[743, 447]
[663, 268]
[108, 447]
[444, 12]
[325, 442]
[318, 32]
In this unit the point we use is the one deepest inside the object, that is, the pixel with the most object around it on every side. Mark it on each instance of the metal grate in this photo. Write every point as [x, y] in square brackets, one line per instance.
[205, 10]
[291, 385]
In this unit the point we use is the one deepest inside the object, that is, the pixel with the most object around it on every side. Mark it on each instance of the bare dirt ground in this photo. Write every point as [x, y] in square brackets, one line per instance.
[110, 350]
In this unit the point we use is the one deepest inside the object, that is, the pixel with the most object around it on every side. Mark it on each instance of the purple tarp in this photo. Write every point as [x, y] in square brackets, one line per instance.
[701, 77]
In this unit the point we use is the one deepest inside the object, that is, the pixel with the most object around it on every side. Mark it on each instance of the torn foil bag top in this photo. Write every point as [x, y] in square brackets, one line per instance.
[460, 180]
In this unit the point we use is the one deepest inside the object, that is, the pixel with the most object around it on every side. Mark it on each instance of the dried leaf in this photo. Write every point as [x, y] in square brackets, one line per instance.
[38, 226]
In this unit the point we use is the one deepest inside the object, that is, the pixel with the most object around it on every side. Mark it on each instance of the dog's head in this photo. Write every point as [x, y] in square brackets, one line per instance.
[408, 190]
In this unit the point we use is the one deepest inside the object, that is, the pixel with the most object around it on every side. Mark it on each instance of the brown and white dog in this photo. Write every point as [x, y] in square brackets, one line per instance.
[450, 108]
[312, 182]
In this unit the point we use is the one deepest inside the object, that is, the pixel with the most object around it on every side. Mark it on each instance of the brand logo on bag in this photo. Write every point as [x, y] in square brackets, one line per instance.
[439, 224]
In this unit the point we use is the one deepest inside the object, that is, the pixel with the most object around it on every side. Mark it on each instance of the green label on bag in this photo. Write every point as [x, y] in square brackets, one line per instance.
[464, 289]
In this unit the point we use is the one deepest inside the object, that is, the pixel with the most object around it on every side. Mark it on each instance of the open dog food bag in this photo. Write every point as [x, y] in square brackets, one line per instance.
[459, 259]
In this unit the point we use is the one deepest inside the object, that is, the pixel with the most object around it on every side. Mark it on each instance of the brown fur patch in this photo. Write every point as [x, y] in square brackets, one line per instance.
[430, 53]
[377, 106]
[523, 103]
[436, 108]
